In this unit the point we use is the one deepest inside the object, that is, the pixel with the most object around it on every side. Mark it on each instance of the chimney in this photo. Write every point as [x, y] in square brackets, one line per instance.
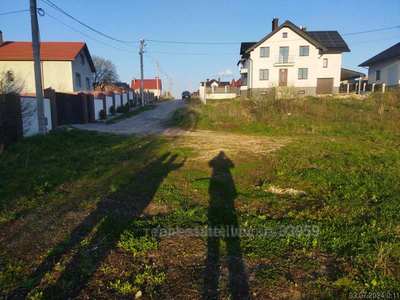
[275, 23]
[1, 37]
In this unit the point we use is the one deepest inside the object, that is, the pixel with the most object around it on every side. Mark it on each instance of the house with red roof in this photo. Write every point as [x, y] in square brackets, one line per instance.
[149, 85]
[66, 66]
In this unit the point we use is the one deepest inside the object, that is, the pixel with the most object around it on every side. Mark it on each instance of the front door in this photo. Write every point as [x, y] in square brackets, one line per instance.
[283, 77]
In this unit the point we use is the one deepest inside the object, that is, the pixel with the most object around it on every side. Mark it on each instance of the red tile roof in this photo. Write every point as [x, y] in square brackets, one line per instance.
[49, 51]
[149, 84]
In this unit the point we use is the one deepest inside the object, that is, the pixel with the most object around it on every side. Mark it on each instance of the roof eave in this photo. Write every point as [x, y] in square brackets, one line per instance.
[296, 29]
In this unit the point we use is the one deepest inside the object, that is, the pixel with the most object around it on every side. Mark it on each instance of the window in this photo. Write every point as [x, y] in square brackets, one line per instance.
[284, 35]
[304, 50]
[303, 73]
[82, 58]
[378, 75]
[264, 52]
[283, 54]
[264, 74]
[88, 85]
[325, 63]
[78, 81]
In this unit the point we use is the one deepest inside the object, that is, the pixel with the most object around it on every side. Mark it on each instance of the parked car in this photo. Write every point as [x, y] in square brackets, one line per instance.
[186, 95]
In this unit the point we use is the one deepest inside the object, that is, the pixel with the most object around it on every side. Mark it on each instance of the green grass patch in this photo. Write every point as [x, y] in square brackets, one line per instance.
[129, 114]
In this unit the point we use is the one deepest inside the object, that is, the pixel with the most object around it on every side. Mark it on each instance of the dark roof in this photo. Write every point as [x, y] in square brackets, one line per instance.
[327, 41]
[246, 45]
[332, 40]
[347, 74]
[390, 53]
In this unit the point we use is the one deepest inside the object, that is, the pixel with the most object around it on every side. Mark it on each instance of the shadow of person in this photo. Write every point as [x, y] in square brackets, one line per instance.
[223, 225]
[100, 231]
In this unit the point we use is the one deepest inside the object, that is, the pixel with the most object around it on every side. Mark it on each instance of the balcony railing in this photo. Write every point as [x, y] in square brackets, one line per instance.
[284, 61]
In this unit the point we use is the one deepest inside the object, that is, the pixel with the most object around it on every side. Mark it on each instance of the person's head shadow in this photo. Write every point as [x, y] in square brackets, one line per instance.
[223, 225]
[111, 217]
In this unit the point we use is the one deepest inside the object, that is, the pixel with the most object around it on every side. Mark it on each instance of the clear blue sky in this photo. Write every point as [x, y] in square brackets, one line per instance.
[207, 20]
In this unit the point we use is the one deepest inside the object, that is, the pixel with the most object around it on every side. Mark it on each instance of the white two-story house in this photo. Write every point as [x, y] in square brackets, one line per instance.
[289, 56]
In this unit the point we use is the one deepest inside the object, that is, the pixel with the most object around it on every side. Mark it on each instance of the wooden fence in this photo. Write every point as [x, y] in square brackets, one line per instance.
[10, 120]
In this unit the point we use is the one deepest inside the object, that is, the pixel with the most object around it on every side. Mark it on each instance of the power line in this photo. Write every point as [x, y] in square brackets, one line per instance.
[234, 43]
[54, 6]
[85, 34]
[372, 30]
[13, 12]
[191, 53]
[192, 42]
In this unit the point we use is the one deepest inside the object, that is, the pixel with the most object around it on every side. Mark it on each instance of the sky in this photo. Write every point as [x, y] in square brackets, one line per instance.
[183, 66]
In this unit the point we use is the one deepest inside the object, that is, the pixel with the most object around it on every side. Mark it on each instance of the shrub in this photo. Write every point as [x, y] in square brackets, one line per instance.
[120, 109]
[103, 114]
[112, 110]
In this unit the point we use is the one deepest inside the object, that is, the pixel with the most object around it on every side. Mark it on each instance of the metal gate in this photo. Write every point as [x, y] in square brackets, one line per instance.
[324, 86]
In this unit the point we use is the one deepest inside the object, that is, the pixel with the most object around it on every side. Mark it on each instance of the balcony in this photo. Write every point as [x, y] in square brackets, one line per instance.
[282, 61]
[244, 71]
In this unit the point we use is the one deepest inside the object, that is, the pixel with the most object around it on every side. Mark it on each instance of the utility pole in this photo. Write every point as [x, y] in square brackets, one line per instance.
[157, 78]
[37, 67]
[141, 51]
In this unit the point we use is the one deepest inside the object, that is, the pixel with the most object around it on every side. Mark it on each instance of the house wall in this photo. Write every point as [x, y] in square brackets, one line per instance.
[314, 63]
[85, 71]
[59, 75]
[390, 72]
[55, 74]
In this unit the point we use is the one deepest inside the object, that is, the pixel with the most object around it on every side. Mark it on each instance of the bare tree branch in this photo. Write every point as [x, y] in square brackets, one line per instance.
[106, 72]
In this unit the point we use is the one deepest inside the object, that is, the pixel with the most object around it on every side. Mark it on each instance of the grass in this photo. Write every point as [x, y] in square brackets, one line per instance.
[130, 114]
[99, 203]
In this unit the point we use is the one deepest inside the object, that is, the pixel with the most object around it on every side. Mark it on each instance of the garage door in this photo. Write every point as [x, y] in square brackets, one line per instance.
[324, 85]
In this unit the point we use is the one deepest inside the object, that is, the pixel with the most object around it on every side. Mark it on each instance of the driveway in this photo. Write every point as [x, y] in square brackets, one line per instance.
[145, 123]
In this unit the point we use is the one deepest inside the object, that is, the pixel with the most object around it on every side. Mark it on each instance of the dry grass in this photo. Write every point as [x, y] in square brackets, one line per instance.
[207, 144]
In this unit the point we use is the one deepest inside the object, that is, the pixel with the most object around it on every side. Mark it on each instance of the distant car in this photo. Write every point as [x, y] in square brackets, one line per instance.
[186, 95]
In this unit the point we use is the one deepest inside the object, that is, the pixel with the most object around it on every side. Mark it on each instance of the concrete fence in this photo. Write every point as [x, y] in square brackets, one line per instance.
[18, 113]
[218, 93]
[30, 123]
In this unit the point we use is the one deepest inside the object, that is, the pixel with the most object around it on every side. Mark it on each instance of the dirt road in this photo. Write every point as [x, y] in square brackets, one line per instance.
[148, 122]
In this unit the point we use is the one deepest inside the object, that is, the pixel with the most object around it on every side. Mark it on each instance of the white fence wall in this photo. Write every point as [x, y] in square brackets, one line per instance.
[109, 103]
[98, 106]
[130, 95]
[30, 122]
[117, 98]
[124, 98]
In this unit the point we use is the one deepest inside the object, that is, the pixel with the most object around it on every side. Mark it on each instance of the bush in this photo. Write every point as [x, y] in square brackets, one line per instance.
[112, 110]
[103, 114]
[120, 109]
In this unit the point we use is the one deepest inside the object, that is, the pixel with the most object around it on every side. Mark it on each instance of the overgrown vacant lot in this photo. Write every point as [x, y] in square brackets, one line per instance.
[316, 179]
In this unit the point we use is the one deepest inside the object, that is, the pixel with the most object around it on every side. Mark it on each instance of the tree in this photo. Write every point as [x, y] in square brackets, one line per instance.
[106, 72]
[9, 84]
